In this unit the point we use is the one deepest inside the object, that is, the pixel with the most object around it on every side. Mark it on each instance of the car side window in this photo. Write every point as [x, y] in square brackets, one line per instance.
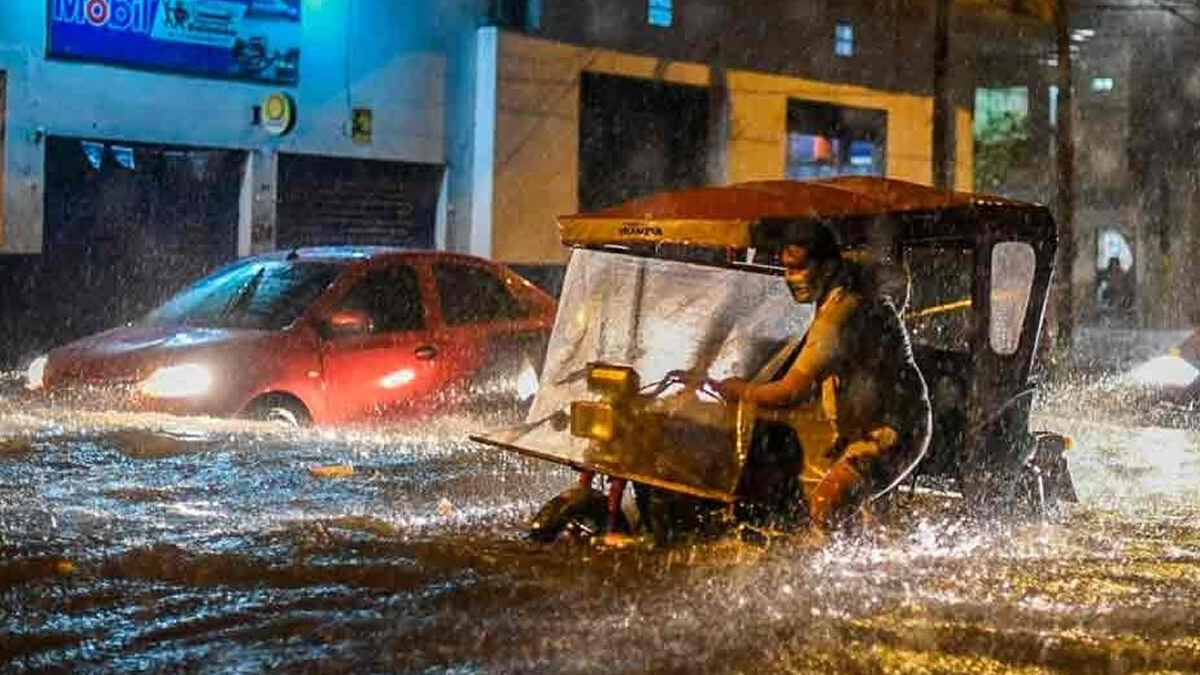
[390, 297]
[471, 294]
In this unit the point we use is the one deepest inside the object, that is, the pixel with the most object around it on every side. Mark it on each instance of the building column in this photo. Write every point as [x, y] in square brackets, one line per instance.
[257, 221]
[483, 142]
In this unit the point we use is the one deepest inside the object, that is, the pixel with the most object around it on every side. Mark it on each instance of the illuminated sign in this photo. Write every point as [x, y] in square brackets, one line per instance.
[257, 40]
[278, 114]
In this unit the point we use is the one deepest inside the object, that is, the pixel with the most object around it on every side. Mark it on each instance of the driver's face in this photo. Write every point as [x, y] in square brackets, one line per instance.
[798, 273]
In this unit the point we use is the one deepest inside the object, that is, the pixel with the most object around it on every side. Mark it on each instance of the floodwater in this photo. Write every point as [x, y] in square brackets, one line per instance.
[154, 543]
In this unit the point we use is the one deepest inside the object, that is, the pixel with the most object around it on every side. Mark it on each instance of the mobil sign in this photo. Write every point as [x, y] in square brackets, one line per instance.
[256, 40]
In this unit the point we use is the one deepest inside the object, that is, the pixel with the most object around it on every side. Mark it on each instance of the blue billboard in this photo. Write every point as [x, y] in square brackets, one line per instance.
[256, 40]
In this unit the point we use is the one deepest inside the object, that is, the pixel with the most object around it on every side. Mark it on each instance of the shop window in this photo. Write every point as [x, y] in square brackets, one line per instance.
[843, 40]
[824, 141]
[1013, 266]
[939, 306]
[660, 13]
[1053, 105]
[1002, 114]
[1001, 133]
[1102, 85]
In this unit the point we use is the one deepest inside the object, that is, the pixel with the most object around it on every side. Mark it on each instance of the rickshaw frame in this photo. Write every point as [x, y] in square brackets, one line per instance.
[982, 449]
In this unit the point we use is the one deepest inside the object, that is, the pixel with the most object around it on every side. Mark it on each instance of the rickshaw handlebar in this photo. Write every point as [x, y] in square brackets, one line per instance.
[687, 378]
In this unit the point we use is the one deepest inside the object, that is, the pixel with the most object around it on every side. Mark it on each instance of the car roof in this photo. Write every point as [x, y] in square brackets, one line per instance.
[356, 254]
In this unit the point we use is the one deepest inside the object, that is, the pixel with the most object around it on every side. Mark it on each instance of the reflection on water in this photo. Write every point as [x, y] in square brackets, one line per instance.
[153, 542]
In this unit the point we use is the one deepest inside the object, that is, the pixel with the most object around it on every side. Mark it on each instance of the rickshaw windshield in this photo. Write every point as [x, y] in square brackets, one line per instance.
[662, 315]
[655, 316]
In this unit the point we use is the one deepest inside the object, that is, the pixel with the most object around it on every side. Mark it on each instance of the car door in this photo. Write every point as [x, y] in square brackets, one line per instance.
[490, 329]
[398, 361]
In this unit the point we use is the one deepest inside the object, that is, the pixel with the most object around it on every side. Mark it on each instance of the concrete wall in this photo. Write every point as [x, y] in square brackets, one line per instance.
[892, 38]
[386, 55]
[537, 132]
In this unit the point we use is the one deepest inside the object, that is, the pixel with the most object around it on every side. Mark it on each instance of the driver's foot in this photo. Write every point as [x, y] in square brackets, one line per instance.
[617, 540]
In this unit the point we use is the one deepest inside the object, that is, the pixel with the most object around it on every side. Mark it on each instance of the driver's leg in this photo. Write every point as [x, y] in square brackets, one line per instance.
[866, 467]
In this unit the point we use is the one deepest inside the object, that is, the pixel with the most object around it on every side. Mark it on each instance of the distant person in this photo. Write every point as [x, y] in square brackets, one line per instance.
[1115, 290]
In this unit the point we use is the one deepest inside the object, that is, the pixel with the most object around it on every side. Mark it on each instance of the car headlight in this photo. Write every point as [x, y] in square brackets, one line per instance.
[182, 381]
[35, 374]
[1165, 371]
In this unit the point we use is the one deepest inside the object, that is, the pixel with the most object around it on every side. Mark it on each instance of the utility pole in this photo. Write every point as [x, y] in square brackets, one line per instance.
[1065, 147]
[943, 105]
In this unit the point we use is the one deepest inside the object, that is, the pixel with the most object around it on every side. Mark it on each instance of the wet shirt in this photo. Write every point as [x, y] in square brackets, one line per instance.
[857, 346]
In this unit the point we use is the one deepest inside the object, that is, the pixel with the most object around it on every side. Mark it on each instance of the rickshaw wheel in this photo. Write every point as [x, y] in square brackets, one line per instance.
[1048, 477]
[581, 512]
[1034, 489]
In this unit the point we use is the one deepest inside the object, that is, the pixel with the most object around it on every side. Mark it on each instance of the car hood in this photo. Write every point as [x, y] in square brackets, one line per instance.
[130, 353]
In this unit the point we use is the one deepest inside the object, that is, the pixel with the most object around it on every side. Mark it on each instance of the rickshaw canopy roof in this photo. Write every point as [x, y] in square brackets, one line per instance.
[726, 216]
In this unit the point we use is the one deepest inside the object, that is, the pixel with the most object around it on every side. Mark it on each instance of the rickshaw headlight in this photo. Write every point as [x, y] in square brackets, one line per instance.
[612, 381]
[593, 420]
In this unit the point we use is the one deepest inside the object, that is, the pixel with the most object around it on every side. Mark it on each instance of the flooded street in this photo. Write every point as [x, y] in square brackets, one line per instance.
[141, 542]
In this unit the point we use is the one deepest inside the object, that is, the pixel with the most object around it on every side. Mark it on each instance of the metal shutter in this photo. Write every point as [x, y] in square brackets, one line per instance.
[329, 201]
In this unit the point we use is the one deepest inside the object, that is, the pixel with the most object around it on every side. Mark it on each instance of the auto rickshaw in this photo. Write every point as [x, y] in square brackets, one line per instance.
[667, 290]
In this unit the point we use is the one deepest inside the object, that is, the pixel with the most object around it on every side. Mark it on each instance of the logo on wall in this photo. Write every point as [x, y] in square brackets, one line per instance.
[256, 40]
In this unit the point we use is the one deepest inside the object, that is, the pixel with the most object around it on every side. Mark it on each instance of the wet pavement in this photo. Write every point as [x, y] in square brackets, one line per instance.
[135, 542]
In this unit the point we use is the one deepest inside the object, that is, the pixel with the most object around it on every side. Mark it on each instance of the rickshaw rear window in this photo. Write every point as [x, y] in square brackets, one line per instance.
[1013, 265]
[939, 307]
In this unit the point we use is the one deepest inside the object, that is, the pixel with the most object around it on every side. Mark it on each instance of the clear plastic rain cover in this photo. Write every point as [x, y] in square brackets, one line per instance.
[655, 316]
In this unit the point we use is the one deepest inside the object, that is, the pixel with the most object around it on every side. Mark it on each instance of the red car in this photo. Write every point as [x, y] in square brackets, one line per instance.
[323, 335]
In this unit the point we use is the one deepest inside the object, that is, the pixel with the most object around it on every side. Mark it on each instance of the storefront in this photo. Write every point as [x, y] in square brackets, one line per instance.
[334, 201]
[134, 223]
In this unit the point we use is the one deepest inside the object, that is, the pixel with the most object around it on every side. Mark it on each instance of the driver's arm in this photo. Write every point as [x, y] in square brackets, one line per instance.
[820, 349]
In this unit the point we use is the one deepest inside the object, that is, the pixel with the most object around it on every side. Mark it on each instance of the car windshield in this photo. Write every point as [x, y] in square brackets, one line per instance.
[260, 295]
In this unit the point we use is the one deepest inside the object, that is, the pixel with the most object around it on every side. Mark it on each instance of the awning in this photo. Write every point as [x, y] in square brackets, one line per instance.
[724, 216]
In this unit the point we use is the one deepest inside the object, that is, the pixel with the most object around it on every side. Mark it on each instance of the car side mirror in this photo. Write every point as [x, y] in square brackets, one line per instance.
[346, 323]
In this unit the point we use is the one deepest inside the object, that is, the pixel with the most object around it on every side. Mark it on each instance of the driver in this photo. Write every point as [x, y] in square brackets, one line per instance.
[857, 354]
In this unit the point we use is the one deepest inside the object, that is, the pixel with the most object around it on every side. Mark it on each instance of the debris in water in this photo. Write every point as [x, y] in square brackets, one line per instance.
[15, 446]
[445, 508]
[332, 471]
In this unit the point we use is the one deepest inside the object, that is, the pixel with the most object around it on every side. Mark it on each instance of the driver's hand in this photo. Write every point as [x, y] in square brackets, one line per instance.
[731, 388]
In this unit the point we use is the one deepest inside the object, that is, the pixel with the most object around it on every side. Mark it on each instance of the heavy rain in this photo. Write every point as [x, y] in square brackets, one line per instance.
[450, 336]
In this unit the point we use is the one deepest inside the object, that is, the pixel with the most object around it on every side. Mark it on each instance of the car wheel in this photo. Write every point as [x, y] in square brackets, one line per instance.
[286, 411]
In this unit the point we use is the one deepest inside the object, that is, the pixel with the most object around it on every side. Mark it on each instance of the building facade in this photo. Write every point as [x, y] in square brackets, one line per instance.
[140, 147]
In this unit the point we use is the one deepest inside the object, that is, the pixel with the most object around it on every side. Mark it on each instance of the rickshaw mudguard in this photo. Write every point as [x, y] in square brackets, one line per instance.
[705, 471]
[660, 454]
